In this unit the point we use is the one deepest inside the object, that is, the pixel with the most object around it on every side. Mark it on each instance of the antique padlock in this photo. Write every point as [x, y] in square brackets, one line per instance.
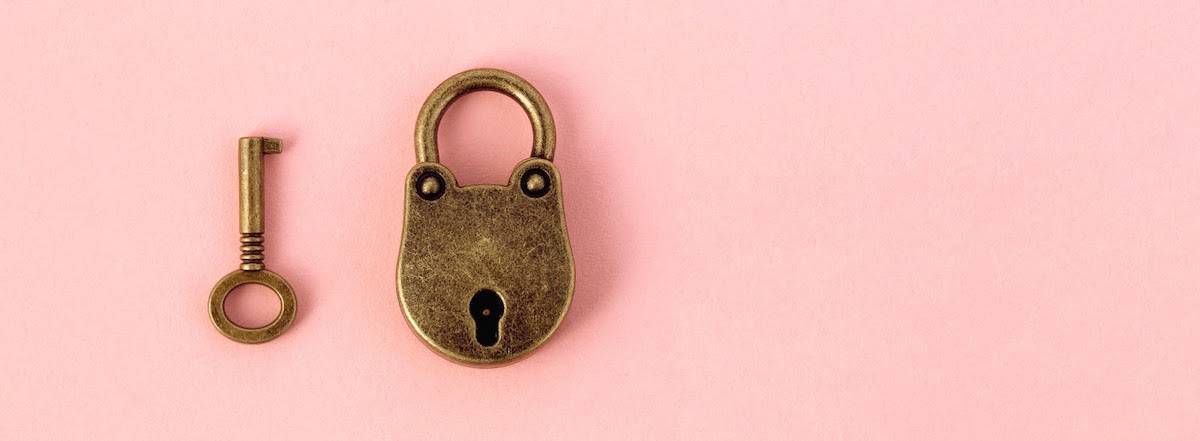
[485, 273]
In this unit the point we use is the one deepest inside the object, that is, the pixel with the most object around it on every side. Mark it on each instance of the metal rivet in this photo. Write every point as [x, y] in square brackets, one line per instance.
[535, 183]
[430, 186]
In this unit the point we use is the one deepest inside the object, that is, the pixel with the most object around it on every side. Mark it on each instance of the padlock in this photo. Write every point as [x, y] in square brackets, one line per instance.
[485, 273]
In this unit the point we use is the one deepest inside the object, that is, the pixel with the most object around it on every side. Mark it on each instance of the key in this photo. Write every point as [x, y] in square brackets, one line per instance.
[252, 269]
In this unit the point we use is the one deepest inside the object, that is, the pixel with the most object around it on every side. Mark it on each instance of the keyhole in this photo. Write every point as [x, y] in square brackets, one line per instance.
[486, 308]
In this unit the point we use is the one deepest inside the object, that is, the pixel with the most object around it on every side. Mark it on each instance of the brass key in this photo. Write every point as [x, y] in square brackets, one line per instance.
[250, 166]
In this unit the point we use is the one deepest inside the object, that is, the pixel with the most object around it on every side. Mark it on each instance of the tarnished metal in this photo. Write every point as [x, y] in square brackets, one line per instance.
[252, 270]
[485, 273]
[484, 79]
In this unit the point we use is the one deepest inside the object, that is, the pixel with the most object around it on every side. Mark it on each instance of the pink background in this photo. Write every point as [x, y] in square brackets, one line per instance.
[826, 221]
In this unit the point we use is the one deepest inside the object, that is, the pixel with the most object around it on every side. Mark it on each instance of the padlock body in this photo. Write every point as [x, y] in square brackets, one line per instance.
[474, 239]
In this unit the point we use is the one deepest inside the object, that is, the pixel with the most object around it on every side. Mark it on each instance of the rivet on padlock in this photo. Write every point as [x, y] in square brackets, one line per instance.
[485, 273]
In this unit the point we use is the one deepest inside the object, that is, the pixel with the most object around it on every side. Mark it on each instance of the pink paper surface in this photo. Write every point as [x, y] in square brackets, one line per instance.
[923, 221]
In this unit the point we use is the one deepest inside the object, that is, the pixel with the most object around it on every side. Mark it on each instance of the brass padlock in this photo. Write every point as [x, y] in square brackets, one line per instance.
[485, 273]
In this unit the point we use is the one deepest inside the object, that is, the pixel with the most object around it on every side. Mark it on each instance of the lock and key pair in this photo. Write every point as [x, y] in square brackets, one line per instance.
[485, 273]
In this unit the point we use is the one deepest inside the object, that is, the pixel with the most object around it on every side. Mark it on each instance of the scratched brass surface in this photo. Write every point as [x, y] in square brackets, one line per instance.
[252, 269]
[510, 239]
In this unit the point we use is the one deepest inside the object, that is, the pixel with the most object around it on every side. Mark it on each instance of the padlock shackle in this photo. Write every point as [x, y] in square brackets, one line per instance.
[484, 79]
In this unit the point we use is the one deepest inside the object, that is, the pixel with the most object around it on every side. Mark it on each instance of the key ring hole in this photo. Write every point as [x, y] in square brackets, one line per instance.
[252, 305]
